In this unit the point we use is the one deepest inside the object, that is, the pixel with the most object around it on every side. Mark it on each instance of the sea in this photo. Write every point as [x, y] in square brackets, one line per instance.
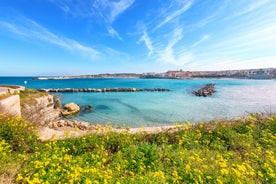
[234, 98]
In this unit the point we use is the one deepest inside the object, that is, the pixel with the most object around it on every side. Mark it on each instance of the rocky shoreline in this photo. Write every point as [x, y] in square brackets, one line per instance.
[100, 90]
[62, 129]
[62, 123]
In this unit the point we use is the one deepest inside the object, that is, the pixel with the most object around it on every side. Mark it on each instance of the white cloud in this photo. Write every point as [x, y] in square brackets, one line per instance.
[146, 39]
[112, 32]
[260, 37]
[202, 39]
[98, 10]
[175, 14]
[250, 8]
[177, 36]
[116, 8]
[30, 29]
[168, 54]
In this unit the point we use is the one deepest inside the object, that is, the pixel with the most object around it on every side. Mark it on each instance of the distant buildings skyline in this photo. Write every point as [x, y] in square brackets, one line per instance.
[262, 73]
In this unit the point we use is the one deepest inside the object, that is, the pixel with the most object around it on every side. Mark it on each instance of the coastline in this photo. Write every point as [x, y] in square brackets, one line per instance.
[261, 73]
[62, 129]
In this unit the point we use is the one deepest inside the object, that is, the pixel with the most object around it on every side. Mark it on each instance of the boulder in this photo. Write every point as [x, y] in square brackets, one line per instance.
[70, 109]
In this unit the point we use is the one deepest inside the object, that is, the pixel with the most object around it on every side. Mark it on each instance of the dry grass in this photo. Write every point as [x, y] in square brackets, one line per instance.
[3, 96]
[8, 176]
[28, 96]
[10, 86]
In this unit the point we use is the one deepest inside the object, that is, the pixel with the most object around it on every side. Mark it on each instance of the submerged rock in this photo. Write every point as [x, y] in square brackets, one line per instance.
[88, 108]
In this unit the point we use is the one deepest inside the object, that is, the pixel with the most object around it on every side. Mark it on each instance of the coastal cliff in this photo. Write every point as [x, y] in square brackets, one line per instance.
[41, 110]
[10, 100]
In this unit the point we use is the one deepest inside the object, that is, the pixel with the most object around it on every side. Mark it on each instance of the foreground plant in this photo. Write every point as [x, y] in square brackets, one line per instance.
[241, 151]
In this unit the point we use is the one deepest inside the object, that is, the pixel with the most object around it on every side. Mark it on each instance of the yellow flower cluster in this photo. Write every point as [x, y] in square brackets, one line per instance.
[243, 152]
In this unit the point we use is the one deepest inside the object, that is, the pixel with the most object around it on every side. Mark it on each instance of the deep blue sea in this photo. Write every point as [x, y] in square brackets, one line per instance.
[234, 98]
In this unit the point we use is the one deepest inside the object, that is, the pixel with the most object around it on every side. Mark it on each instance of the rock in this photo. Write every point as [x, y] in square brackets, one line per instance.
[205, 91]
[42, 110]
[57, 102]
[72, 107]
[88, 108]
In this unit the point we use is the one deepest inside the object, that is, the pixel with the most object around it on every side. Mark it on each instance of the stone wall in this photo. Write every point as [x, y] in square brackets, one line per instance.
[10, 106]
[42, 111]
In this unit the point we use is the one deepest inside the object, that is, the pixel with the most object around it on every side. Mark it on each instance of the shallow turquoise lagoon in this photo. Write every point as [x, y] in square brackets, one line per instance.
[234, 98]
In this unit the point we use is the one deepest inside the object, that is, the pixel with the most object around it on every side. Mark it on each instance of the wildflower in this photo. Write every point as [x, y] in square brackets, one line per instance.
[224, 171]
[187, 167]
[219, 181]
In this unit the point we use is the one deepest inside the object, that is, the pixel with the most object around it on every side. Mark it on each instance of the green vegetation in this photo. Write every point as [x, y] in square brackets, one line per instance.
[3, 96]
[28, 96]
[240, 151]
[17, 141]
[9, 86]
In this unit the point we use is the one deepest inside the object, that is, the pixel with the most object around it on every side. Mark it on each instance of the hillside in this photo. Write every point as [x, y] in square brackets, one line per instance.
[240, 151]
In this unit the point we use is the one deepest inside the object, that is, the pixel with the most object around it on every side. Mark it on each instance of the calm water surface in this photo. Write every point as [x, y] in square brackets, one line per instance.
[234, 98]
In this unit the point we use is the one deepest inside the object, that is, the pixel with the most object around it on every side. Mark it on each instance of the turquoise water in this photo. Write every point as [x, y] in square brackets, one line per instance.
[233, 98]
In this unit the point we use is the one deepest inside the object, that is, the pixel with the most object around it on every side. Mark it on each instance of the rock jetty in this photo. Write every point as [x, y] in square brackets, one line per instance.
[205, 91]
[100, 90]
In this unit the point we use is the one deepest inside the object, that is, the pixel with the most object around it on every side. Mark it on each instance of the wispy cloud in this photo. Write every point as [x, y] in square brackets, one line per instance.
[146, 39]
[116, 8]
[174, 14]
[202, 39]
[112, 32]
[30, 29]
[249, 8]
[260, 37]
[170, 56]
[98, 10]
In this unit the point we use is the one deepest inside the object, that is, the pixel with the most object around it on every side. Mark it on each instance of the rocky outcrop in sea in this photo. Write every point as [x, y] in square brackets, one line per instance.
[205, 91]
[70, 109]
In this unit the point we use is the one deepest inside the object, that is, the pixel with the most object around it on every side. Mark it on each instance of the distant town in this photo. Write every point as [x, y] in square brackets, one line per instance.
[263, 73]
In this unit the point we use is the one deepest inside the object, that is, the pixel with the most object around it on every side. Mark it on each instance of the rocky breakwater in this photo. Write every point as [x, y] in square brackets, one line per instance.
[100, 90]
[70, 109]
[205, 91]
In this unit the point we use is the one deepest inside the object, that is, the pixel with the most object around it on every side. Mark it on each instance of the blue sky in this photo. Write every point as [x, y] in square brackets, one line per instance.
[72, 37]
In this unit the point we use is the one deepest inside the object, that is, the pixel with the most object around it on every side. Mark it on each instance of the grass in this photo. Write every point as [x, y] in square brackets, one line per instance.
[9, 86]
[240, 151]
[28, 96]
[3, 96]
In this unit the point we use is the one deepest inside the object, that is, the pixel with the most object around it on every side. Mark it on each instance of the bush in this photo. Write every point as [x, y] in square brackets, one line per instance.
[18, 134]
[241, 151]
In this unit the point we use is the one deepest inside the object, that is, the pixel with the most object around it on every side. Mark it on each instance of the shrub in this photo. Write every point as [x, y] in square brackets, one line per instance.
[18, 134]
